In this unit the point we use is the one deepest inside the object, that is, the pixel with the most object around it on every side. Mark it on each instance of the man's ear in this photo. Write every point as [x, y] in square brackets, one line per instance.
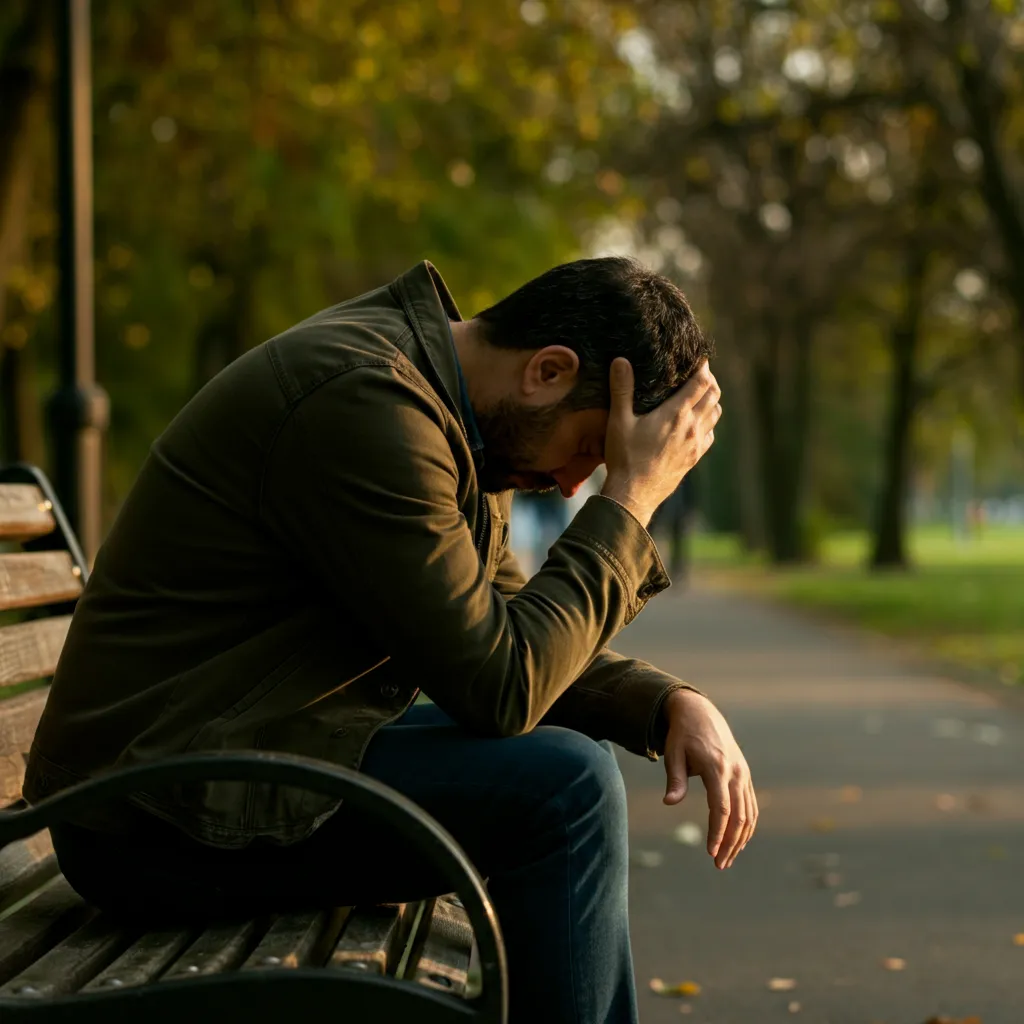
[550, 373]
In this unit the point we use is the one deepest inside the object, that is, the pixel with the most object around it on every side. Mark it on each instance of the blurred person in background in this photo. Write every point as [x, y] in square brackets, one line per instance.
[322, 534]
[549, 513]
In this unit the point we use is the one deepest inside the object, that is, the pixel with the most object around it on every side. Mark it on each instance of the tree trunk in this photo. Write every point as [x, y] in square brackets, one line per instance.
[889, 549]
[22, 114]
[790, 542]
[21, 416]
[782, 403]
[738, 388]
[997, 188]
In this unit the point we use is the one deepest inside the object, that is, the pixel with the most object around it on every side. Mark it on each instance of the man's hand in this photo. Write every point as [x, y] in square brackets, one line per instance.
[700, 742]
[648, 455]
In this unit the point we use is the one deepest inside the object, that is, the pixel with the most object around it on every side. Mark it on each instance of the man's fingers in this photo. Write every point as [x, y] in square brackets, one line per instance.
[737, 824]
[697, 388]
[706, 403]
[756, 812]
[620, 380]
[718, 812]
[677, 783]
[749, 815]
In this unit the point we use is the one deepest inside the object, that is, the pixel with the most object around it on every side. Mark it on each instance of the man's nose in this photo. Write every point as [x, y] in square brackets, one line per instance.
[571, 476]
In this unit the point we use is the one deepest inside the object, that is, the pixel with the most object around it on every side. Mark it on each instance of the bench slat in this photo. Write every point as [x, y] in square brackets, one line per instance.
[72, 962]
[19, 717]
[370, 941]
[24, 512]
[444, 961]
[36, 927]
[32, 578]
[296, 940]
[31, 649]
[220, 948]
[143, 961]
[25, 866]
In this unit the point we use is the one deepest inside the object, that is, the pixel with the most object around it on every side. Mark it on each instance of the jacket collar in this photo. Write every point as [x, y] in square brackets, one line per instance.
[429, 307]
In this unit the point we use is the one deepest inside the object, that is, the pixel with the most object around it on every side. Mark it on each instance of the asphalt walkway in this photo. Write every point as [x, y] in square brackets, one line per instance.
[886, 881]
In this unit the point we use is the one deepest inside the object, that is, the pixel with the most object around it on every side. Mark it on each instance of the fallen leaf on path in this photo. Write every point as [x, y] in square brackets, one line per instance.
[830, 880]
[794, 1007]
[823, 825]
[953, 1020]
[688, 834]
[851, 795]
[781, 984]
[946, 802]
[894, 963]
[1018, 939]
[686, 1008]
[846, 899]
[684, 988]
[648, 858]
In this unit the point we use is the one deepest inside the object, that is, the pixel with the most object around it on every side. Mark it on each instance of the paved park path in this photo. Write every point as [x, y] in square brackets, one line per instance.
[884, 787]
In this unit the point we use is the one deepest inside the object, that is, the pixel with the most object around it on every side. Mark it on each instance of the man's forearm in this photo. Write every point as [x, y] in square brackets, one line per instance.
[619, 699]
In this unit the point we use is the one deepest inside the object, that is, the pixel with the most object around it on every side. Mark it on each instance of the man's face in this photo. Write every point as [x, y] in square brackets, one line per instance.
[537, 448]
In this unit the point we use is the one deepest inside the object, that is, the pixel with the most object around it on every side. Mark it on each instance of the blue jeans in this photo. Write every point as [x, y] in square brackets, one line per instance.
[543, 817]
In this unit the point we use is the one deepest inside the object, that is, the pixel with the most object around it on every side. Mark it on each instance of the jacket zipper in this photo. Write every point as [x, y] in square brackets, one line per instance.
[485, 522]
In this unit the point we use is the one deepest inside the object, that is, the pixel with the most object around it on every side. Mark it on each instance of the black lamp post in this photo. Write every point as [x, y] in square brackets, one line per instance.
[79, 409]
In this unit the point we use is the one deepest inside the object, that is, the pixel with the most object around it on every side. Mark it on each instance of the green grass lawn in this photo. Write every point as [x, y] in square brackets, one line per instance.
[962, 601]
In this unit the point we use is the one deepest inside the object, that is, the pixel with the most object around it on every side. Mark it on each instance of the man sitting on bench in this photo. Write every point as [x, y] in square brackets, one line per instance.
[320, 536]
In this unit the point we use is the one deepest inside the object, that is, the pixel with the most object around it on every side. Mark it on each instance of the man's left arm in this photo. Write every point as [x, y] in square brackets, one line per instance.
[614, 698]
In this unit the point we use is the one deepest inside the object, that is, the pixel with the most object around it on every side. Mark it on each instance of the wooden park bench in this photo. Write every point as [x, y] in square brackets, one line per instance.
[62, 960]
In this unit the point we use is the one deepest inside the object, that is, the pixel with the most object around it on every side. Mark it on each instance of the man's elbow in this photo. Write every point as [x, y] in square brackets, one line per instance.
[511, 718]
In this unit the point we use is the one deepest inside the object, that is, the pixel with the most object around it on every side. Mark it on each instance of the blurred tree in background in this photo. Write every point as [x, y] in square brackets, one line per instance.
[851, 177]
[838, 186]
[257, 160]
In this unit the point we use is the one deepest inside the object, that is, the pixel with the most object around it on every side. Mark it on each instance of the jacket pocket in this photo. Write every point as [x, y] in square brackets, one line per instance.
[287, 668]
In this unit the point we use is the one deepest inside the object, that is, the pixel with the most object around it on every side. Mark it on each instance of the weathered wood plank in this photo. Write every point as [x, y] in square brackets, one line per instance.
[370, 940]
[444, 961]
[143, 961]
[219, 948]
[19, 717]
[24, 512]
[24, 867]
[30, 650]
[32, 578]
[72, 962]
[36, 927]
[297, 940]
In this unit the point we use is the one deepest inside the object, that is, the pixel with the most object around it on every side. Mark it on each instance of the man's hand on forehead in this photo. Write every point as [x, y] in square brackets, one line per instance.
[647, 456]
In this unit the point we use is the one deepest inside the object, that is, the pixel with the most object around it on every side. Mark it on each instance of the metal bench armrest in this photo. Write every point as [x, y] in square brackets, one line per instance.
[425, 834]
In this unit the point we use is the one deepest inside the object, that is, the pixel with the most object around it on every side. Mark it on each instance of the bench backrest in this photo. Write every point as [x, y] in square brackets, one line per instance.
[42, 573]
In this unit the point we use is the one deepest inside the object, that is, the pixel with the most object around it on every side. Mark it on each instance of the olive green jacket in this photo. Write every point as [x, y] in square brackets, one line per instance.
[305, 549]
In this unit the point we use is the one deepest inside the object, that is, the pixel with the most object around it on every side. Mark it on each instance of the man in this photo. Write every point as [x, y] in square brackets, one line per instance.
[320, 535]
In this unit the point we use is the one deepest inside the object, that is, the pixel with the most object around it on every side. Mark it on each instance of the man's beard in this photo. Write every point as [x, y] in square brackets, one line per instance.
[513, 434]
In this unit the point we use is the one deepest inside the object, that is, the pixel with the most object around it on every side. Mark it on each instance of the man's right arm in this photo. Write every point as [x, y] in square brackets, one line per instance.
[362, 485]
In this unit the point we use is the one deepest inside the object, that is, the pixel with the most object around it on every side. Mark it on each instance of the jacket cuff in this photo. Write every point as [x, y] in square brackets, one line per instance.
[657, 725]
[619, 538]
